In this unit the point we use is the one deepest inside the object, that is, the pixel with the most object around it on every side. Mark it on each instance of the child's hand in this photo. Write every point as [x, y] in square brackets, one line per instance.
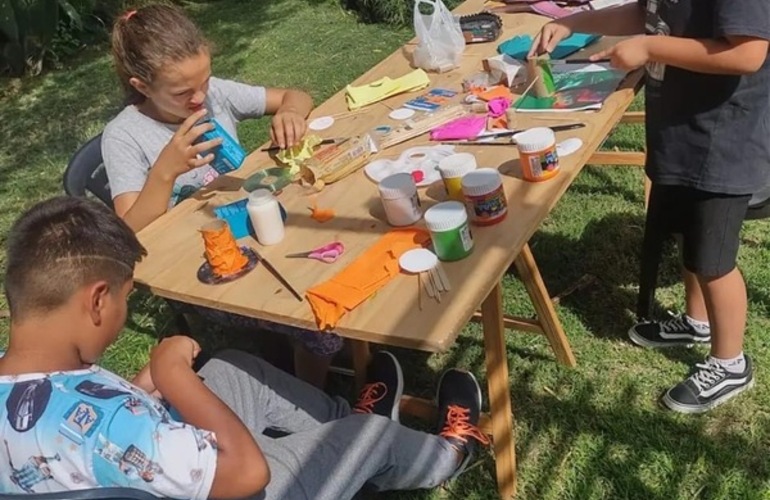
[288, 128]
[176, 349]
[627, 55]
[548, 38]
[181, 153]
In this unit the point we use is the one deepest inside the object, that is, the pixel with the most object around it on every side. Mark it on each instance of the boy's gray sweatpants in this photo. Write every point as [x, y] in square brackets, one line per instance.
[330, 453]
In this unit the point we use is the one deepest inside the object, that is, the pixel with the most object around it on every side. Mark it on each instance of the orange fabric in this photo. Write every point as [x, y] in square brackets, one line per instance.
[360, 280]
[322, 214]
[493, 93]
[222, 252]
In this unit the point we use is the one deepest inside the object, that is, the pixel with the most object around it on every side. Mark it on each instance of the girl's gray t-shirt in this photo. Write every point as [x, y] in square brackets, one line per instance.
[132, 141]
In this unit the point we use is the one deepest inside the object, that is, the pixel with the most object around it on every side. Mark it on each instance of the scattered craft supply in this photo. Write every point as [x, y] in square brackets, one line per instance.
[321, 123]
[540, 74]
[294, 156]
[538, 157]
[322, 214]
[419, 291]
[223, 255]
[336, 162]
[495, 92]
[518, 47]
[509, 133]
[207, 276]
[331, 300]
[505, 69]
[485, 196]
[400, 199]
[436, 281]
[568, 146]
[273, 149]
[273, 179]
[420, 125]
[278, 276]
[479, 107]
[510, 118]
[265, 216]
[431, 101]
[452, 170]
[358, 97]
[237, 217]
[422, 159]
[418, 261]
[465, 127]
[498, 107]
[481, 27]
[490, 139]
[449, 230]
[479, 82]
[401, 114]
[328, 253]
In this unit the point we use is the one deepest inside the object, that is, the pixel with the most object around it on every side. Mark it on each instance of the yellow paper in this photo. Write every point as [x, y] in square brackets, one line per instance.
[358, 97]
[294, 156]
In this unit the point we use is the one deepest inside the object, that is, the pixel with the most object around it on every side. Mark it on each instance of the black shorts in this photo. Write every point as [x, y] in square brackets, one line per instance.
[710, 225]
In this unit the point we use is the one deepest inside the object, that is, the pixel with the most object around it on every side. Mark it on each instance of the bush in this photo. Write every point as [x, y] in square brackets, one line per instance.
[36, 33]
[396, 12]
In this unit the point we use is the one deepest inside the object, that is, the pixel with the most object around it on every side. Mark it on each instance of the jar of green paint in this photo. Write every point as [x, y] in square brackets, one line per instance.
[449, 230]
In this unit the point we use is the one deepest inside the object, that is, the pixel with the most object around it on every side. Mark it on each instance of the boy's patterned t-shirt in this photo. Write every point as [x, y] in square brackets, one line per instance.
[90, 428]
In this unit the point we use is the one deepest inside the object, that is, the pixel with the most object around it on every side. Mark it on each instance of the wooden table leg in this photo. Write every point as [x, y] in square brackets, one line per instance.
[499, 393]
[546, 314]
[361, 356]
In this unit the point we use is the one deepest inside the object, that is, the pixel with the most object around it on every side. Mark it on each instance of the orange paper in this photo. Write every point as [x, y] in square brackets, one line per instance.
[360, 280]
[494, 92]
[322, 214]
[222, 252]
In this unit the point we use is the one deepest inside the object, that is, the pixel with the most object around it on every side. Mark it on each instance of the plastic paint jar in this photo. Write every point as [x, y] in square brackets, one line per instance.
[485, 197]
[449, 230]
[265, 215]
[398, 193]
[452, 169]
[537, 154]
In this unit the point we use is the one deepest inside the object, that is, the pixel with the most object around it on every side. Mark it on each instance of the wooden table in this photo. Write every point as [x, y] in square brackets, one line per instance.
[391, 317]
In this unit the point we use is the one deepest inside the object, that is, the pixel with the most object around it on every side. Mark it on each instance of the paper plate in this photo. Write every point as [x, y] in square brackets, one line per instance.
[568, 146]
[424, 159]
[418, 261]
[401, 113]
[321, 123]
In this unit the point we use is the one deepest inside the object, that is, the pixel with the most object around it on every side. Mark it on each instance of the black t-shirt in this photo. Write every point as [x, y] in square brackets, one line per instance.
[709, 132]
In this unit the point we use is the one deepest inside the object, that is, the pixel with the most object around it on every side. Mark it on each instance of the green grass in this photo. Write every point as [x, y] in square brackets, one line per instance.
[595, 431]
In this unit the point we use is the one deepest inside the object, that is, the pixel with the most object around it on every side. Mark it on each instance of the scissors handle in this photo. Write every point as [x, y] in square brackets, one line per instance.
[327, 253]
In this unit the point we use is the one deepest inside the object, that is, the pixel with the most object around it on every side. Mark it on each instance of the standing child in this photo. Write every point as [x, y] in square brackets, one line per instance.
[67, 424]
[708, 149]
[150, 151]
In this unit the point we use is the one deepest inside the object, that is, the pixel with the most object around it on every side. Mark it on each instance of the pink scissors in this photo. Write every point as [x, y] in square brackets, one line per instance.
[327, 253]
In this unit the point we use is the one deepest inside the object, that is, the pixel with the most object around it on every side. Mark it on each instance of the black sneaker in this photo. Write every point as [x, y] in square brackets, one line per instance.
[384, 387]
[667, 333]
[459, 408]
[709, 386]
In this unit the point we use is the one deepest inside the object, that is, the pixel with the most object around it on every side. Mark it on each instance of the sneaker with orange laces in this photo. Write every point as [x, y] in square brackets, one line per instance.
[459, 406]
[384, 387]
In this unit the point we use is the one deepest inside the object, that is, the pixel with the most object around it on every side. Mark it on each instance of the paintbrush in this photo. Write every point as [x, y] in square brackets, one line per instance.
[277, 275]
[273, 149]
[508, 133]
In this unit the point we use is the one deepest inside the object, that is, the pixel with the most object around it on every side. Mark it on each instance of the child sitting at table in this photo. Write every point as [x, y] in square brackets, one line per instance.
[150, 151]
[68, 424]
[708, 149]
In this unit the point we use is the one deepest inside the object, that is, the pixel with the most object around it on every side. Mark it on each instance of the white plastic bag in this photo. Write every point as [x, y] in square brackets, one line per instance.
[441, 42]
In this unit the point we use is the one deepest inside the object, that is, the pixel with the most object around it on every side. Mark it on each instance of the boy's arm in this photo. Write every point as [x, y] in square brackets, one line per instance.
[617, 21]
[290, 109]
[241, 468]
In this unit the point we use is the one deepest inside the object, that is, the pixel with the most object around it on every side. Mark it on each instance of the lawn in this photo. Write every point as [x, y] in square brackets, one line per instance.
[595, 431]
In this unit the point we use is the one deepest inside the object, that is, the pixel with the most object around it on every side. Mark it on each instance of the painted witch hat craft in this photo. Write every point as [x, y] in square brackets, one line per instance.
[225, 260]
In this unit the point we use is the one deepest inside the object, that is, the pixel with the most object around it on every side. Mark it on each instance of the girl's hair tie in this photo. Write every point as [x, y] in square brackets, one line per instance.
[129, 14]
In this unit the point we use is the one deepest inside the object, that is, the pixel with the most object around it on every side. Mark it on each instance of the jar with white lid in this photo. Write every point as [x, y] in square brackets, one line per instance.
[400, 199]
[265, 215]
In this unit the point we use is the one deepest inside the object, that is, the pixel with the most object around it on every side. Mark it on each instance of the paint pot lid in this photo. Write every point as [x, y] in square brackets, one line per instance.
[401, 113]
[481, 181]
[535, 139]
[445, 216]
[457, 165]
[418, 261]
[321, 123]
[397, 186]
[568, 146]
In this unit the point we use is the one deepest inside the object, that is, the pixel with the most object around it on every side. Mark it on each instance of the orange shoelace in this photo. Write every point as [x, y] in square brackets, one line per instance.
[457, 426]
[370, 394]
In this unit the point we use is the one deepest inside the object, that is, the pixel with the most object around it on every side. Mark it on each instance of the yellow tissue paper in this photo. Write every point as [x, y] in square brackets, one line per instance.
[294, 156]
[358, 97]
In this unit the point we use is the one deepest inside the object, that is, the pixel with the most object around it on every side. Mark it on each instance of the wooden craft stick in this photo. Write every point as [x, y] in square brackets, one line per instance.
[278, 276]
[437, 279]
[429, 286]
[444, 278]
[419, 291]
[435, 286]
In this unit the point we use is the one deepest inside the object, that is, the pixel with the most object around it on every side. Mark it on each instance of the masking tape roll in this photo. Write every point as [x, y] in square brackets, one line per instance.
[274, 179]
